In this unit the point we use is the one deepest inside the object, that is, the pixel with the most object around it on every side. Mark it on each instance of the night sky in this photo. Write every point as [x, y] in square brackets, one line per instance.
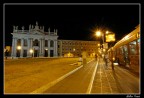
[74, 22]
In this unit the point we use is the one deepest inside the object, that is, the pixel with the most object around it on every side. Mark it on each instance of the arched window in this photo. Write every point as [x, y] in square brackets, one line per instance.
[51, 43]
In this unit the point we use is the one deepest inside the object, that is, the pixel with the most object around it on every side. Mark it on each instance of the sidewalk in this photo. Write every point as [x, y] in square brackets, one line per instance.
[117, 81]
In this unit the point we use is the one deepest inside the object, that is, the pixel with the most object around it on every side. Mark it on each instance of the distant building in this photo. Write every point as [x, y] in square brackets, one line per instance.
[75, 48]
[35, 42]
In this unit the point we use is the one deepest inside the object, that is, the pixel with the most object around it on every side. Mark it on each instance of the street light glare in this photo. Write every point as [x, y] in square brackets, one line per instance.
[107, 32]
[98, 33]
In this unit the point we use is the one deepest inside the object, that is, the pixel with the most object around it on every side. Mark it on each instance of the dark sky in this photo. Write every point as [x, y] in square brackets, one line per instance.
[74, 22]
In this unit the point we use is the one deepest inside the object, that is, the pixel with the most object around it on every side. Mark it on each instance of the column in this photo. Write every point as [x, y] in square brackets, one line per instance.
[13, 48]
[22, 42]
[40, 47]
[55, 48]
[48, 47]
[29, 47]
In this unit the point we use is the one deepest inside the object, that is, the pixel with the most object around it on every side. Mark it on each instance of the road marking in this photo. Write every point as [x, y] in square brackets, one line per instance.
[90, 61]
[73, 64]
[47, 86]
[92, 80]
[77, 63]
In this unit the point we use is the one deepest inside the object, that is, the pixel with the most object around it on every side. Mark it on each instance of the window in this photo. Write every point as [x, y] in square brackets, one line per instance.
[51, 43]
[18, 42]
[132, 46]
[35, 42]
[46, 43]
[138, 42]
[125, 50]
[121, 50]
[25, 42]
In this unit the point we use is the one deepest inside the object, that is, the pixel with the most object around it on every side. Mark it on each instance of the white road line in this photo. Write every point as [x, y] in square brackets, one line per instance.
[92, 80]
[87, 62]
[45, 87]
[73, 64]
[90, 61]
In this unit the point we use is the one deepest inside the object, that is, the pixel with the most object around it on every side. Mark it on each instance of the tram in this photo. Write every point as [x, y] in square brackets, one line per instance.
[126, 52]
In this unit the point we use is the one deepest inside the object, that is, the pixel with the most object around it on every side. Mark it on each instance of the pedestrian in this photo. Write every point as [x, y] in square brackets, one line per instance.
[106, 58]
[96, 56]
[6, 54]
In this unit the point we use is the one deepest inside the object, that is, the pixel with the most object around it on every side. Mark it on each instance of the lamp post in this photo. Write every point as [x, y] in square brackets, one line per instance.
[111, 39]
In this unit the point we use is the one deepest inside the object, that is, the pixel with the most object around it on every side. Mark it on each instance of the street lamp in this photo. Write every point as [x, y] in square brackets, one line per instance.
[99, 33]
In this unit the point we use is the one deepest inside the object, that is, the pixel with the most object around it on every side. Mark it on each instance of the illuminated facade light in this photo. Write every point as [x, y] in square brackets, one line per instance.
[113, 58]
[74, 49]
[18, 47]
[31, 51]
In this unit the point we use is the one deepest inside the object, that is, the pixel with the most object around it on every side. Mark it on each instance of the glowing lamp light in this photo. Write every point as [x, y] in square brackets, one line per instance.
[98, 33]
[104, 50]
[113, 58]
[107, 32]
[74, 49]
[18, 47]
[31, 51]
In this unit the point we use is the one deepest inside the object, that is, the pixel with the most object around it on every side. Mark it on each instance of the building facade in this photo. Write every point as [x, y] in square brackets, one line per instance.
[75, 48]
[34, 42]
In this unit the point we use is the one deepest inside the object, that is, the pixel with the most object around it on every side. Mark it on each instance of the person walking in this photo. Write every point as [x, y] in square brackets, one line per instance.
[106, 58]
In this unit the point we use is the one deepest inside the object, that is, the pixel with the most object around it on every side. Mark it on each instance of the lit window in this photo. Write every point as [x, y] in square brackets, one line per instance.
[132, 46]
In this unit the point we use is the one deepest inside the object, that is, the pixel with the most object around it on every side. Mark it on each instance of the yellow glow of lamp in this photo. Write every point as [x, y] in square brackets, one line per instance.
[31, 51]
[18, 47]
[98, 33]
[74, 49]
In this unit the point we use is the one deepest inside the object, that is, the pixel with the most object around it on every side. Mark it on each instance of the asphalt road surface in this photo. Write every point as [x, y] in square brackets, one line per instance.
[76, 83]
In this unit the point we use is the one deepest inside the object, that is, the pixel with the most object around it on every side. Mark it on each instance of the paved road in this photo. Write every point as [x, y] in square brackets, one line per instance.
[77, 82]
